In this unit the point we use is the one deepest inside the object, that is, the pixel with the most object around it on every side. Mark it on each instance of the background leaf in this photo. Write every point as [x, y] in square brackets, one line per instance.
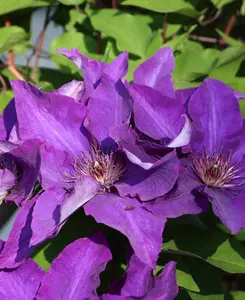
[134, 35]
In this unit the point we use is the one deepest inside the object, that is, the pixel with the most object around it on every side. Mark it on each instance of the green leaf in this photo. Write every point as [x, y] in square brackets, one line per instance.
[75, 18]
[195, 61]
[5, 97]
[71, 40]
[196, 296]
[220, 3]
[229, 39]
[192, 273]
[243, 9]
[235, 295]
[7, 6]
[228, 64]
[212, 246]
[10, 37]
[71, 2]
[155, 43]
[132, 34]
[181, 6]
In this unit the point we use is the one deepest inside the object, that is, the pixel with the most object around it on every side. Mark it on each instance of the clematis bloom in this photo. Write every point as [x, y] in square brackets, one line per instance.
[216, 164]
[81, 167]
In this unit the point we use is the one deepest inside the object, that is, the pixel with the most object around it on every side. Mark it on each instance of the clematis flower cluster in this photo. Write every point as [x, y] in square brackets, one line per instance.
[131, 155]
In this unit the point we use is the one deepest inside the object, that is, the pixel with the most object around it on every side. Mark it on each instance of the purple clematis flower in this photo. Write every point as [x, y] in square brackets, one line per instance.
[216, 164]
[74, 275]
[86, 168]
[93, 72]
[19, 169]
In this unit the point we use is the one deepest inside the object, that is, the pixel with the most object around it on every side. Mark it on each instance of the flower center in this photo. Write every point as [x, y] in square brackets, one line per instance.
[105, 168]
[216, 169]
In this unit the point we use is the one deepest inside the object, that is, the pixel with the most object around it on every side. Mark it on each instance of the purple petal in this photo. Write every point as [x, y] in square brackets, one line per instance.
[152, 183]
[184, 137]
[8, 120]
[17, 247]
[54, 164]
[179, 201]
[49, 117]
[27, 157]
[21, 283]
[109, 297]
[118, 68]
[229, 208]
[37, 220]
[166, 287]
[92, 69]
[136, 280]
[6, 146]
[140, 152]
[54, 206]
[109, 105]
[239, 95]
[7, 182]
[156, 72]
[46, 216]
[128, 216]
[74, 55]
[216, 116]
[155, 115]
[183, 95]
[85, 189]
[74, 274]
[73, 89]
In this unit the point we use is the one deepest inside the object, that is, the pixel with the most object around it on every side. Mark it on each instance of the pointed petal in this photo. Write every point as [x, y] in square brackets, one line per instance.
[74, 274]
[239, 95]
[118, 68]
[165, 287]
[156, 72]
[179, 201]
[49, 117]
[17, 248]
[136, 281]
[92, 69]
[74, 89]
[21, 283]
[155, 115]
[54, 164]
[216, 116]
[128, 216]
[228, 208]
[152, 183]
[85, 189]
[110, 105]
[8, 120]
[37, 220]
[74, 55]
[46, 215]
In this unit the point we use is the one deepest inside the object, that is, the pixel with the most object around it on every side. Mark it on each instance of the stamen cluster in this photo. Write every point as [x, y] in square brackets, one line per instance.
[105, 168]
[216, 169]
